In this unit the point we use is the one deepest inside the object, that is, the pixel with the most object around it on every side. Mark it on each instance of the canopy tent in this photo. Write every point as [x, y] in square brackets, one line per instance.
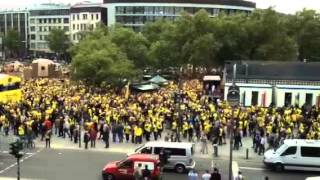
[158, 80]
[146, 87]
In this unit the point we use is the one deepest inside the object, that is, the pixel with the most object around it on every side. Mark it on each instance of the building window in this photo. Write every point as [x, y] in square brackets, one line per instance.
[65, 20]
[66, 28]
[44, 21]
[73, 17]
[216, 11]
[40, 29]
[97, 16]
[77, 26]
[40, 38]
[92, 16]
[32, 28]
[149, 10]
[59, 20]
[40, 21]
[78, 16]
[120, 10]
[54, 21]
[33, 37]
[287, 99]
[309, 98]
[49, 28]
[49, 20]
[74, 37]
[32, 21]
[84, 16]
[33, 45]
[73, 26]
[254, 98]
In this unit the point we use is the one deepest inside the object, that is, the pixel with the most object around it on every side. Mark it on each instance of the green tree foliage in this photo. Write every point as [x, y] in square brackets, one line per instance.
[58, 41]
[12, 43]
[304, 27]
[97, 59]
[135, 45]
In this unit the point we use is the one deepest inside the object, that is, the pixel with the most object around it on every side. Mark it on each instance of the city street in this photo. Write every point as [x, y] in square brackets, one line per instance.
[67, 161]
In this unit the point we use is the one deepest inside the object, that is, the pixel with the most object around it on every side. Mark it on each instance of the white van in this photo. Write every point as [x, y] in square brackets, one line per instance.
[180, 154]
[298, 154]
[313, 178]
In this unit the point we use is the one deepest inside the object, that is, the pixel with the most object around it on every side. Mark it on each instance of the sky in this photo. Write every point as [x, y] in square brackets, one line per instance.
[284, 6]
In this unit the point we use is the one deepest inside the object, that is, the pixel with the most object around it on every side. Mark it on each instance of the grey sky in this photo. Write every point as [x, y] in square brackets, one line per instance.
[285, 6]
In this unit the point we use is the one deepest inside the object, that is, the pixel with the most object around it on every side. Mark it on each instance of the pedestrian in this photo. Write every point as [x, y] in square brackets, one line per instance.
[146, 173]
[105, 135]
[262, 145]
[86, 139]
[239, 176]
[215, 175]
[206, 175]
[93, 137]
[138, 172]
[192, 175]
[48, 138]
[266, 178]
[204, 144]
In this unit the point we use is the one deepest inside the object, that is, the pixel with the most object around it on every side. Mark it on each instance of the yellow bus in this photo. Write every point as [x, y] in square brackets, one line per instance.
[10, 90]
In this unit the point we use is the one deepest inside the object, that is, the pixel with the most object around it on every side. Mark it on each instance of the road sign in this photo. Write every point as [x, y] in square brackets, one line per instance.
[233, 95]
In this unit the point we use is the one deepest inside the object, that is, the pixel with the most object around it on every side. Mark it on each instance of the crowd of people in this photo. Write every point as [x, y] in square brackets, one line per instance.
[175, 113]
[53, 106]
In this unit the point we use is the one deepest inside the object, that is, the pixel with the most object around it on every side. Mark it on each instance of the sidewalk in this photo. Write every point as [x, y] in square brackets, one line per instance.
[223, 151]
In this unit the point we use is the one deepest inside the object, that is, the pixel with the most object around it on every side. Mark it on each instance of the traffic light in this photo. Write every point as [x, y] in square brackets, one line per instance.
[15, 149]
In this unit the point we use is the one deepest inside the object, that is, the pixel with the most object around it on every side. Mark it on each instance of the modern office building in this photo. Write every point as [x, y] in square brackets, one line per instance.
[136, 13]
[43, 18]
[15, 20]
[85, 17]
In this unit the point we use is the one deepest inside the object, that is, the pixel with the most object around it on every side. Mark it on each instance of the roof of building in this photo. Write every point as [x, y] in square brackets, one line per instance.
[49, 6]
[276, 70]
[218, 2]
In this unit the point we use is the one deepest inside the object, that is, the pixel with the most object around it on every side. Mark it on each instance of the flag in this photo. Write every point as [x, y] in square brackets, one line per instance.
[127, 90]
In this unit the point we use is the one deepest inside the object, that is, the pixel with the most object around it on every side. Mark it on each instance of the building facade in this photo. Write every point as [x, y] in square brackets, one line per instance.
[277, 83]
[84, 17]
[136, 13]
[42, 20]
[15, 20]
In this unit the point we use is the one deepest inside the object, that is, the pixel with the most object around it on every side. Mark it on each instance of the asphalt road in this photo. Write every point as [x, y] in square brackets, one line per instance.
[53, 164]
[257, 171]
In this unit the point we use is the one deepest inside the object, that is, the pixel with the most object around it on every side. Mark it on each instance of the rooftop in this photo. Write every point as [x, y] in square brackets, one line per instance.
[241, 3]
[50, 6]
[276, 70]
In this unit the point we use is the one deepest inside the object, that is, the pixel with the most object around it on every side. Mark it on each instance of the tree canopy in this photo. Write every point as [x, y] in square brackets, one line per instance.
[58, 41]
[199, 40]
[12, 43]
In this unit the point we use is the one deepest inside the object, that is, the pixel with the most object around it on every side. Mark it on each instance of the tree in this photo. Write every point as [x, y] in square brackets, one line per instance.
[12, 43]
[304, 27]
[135, 45]
[58, 41]
[97, 59]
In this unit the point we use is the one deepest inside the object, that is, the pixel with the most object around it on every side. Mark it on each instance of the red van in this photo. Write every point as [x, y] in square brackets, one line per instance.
[123, 170]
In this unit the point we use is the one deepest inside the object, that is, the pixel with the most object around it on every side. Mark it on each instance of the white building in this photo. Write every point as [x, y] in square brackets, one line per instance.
[84, 17]
[42, 20]
[283, 84]
[136, 13]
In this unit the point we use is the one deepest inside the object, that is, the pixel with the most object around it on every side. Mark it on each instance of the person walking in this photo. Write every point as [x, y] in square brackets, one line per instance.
[206, 175]
[86, 139]
[146, 173]
[192, 175]
[204, 144]
[93, 137]
[48, 138]
[105, 135]
[262, 145]
[138, 172]
[215, 175]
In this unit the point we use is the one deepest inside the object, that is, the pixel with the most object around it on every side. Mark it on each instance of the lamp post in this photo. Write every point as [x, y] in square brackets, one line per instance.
[233, 98]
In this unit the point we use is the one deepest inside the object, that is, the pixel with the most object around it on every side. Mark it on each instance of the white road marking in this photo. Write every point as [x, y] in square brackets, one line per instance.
[29, 155]
[252, 168]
